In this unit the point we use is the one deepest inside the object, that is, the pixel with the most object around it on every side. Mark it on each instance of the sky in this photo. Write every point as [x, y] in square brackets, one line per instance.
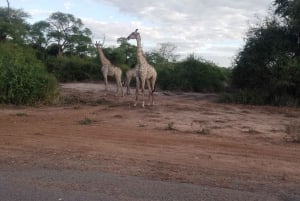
[212, 29]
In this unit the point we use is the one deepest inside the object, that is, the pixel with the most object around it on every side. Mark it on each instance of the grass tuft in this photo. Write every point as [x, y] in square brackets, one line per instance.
[21, 114]
[170, 126]
[293, 131]
[85, 121]
[203, 131]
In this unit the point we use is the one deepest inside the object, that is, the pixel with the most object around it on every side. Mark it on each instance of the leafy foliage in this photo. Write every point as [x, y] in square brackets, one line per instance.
[23, 79]
[85, 121]
[266, 71]
[128, 51]
[65, 31]
[192, 74]
[13, 24]
[74, 68]
[63, 45]
[69, 33]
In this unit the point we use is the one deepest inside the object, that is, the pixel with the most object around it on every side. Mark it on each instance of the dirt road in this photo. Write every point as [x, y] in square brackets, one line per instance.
[185, 140]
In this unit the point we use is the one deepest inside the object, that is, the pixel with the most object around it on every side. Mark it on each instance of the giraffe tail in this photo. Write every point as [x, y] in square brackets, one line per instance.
[124, 83]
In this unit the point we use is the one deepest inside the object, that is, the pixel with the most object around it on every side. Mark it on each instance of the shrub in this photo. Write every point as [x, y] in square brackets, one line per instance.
[170, 126]
[23, 79]
[74, 68]
[270, 61]
[85, 121]
[245, 96]
[192, 74]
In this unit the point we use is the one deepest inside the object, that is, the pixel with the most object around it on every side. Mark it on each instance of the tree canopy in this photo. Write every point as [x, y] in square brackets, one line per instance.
[269, 62]
[13, 24]
[68, 33]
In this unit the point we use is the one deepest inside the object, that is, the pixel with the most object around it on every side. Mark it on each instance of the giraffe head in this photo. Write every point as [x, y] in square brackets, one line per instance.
[134, 35]
[98, 45]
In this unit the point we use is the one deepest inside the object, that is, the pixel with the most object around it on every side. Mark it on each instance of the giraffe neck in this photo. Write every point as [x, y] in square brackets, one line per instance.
[140, 55]
[105, 62]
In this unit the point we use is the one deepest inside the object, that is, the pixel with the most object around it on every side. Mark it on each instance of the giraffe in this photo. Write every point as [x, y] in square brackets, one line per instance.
[129, 75]
[145, 72]
[109, 70]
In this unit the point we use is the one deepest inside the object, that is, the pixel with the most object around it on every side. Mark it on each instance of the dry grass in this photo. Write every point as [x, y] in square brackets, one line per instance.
[170, 126]
[85, 121]
[293, 131]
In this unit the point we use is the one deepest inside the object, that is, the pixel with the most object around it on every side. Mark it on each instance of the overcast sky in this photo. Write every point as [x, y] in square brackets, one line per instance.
[212, 29]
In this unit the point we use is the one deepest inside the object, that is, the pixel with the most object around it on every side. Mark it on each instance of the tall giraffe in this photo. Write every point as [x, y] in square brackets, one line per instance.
[109, 70]
[145, 72]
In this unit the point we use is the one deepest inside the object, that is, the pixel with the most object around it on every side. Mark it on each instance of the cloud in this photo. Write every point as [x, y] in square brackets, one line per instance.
[38, 14]
[204, 27]
[68, 5]
[114, 30]
[192, 24]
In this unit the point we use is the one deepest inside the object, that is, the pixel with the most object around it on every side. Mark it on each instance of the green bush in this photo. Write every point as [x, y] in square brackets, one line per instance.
[192, 74]
[23, 79]
[269, 63]
[74, 68]
[280, 86]
[165, 76]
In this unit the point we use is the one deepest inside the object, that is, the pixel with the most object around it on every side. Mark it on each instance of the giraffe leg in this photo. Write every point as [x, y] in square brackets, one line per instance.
[105, 83]
[128, 85]
[137, 90]
[117, 83]
[149, 91]
[143, 91]
[121, 86]
[118, 77]
[152, 89]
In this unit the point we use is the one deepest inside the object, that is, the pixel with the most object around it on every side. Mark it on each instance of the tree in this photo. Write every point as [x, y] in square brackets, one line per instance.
[266, 66]
[23, 78]
[155, 58]
[13, 24]
[162, 55]
[39, 38]
[38, 35]
[166, 51]
[128, 50]
[267, 48]
[192, 74]
[8, 9]
[69, 33]
[289, 10]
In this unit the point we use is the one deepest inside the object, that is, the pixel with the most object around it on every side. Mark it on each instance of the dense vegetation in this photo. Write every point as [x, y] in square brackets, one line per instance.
[267, 70]
[192, 74]
[60, 47]
[33, 56]
[24, 79]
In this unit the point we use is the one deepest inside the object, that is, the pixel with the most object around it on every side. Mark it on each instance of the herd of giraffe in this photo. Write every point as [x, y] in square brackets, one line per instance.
[143, 72]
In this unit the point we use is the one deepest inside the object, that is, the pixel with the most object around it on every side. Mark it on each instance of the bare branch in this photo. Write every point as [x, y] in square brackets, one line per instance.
[8, 10]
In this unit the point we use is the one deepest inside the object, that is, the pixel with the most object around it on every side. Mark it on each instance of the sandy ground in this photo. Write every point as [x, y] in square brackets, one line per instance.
[185, 138]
